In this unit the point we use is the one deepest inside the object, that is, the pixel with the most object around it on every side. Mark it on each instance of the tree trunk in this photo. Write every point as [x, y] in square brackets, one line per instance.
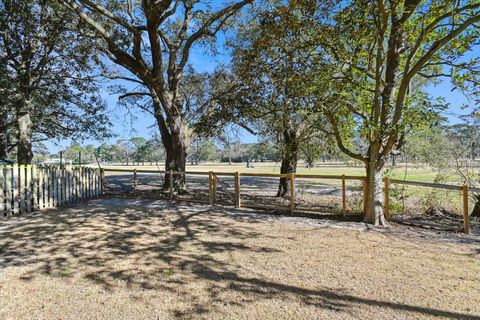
[289, 161]
[3, 143]
[175, 160]
[374, 197]
[4, 118]
[394, 160]
[24, 127]
[174, 140]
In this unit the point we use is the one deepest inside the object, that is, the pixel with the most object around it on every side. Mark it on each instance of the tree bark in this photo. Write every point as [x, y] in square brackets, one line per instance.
[174, 140]
[3, 143]
[175, 160]
[4, 134]
[24, 128]
[289, 161]
[374, 197]
[476, 208]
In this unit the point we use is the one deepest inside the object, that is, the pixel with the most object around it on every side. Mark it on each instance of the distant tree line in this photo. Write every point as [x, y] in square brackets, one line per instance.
[436, 147]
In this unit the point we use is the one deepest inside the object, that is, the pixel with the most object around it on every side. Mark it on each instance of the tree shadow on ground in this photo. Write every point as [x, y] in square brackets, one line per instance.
[164, 247]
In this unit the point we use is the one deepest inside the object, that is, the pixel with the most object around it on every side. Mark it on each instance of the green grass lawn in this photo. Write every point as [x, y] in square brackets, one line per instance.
[422, 174]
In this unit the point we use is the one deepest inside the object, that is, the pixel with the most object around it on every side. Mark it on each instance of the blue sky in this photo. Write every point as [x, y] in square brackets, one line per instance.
[127, 125]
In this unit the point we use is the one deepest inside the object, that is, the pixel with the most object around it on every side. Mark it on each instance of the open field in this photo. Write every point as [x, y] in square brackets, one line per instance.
[131, 259]
[405, 201]
[414, 173]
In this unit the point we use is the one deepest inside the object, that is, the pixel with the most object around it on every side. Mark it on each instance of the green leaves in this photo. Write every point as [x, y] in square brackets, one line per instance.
[52, 67]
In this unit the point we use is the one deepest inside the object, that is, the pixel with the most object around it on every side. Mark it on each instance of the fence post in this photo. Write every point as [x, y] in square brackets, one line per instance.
[292, 193]
[48, 194]
[75, 184]
[65, 182]
[102, 181]
[3, 210]
[215, 188]
[8, 193]
[60, 184]
[134, 179]
[66, 179]
[41, 186]
[28, 188]
[465, 209]
[344, 196]
[365, 184]
[21, 188]
[16, 184]
[386, 194]
[171, 184]
[210, 188]
[237, 190]
[55, 186]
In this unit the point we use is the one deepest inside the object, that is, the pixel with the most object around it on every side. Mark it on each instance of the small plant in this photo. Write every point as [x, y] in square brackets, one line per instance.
[167, 271]
[66, 272]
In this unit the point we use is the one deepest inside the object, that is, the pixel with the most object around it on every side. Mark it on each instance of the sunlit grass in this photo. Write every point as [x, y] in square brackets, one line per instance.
[402, 172]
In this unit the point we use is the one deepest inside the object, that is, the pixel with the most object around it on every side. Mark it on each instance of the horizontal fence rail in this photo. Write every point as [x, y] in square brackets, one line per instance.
[26, 189]
[463, 189]
[426, 184]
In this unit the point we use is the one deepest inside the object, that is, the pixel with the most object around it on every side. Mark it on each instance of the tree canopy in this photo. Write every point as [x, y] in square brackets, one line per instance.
[48, 78]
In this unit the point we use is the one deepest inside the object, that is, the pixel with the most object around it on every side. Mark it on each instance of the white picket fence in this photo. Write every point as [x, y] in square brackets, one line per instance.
[31, 188]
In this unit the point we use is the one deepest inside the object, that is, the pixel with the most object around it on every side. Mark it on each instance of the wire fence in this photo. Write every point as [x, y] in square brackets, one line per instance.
[438, 205]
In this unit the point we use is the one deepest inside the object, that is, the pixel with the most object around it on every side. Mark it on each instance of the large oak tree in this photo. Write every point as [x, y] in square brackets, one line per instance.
[152, 41]
[269, 85]
[47, 83]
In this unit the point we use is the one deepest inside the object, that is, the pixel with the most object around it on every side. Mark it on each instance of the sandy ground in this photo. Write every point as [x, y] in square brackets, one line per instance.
[139, 259]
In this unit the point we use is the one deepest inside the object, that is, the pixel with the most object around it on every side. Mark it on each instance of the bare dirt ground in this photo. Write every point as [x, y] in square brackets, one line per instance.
[144, 259]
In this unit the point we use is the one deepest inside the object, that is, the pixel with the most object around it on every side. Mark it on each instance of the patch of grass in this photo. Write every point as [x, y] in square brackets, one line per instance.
[419, 174]
[167, 272]
[66, 272]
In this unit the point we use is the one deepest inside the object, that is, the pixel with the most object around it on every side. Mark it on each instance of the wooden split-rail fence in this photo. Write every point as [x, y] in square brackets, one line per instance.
[30, 188]
[213, 176]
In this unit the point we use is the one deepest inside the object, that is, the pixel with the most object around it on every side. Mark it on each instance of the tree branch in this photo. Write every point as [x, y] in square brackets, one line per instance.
[338, 138]
[204, 30]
